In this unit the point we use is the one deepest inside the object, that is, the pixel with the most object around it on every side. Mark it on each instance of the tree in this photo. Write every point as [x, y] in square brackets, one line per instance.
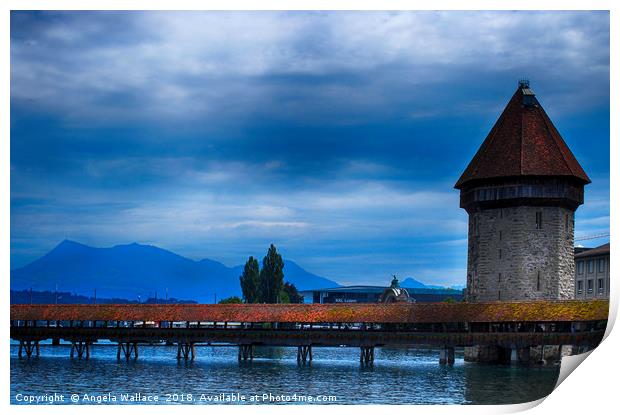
[231, 300]
[271, 276]
[292, 293]
[250, 282]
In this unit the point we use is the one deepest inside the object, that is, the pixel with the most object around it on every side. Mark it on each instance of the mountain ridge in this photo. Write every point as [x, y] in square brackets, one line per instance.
[135, 270]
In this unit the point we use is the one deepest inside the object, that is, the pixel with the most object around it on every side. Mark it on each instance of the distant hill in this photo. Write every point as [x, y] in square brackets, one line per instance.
[129, 271]
[412, 283]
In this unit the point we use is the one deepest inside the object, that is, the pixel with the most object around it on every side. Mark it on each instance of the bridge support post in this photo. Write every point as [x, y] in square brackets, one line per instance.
[186, 351]
[29, 347]
[367, 355]
[246, 352]
[304, 353]
[81, 348]
[446, 356]
[128, 349]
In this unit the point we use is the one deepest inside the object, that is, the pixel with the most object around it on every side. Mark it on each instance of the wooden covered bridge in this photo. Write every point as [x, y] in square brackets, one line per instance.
[511, 326]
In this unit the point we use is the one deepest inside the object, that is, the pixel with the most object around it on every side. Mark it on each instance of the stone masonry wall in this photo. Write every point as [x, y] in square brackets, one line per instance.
[510, 259]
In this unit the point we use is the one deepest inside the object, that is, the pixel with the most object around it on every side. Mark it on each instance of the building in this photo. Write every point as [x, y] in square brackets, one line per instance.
[592, 273]
[373, 293]
[521, 191]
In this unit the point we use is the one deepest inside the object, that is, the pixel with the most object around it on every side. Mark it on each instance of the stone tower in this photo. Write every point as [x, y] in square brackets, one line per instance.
[521, 191]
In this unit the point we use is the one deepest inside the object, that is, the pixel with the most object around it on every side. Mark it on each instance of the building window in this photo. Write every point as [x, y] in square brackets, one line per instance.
[601, 265]
[538, 220]
[601, 285]
[579, 287]
[538, 281]
[499, 295]
[500, 254]
[500, 235]
[499, 277]
[590, 266]
[590, 284]
[580, 267]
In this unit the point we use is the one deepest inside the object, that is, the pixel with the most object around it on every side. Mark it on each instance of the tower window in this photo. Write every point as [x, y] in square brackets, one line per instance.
[500, 235]
[500, 254]
[499, 277]
[499, 295]
[538, 281]
[538, 220]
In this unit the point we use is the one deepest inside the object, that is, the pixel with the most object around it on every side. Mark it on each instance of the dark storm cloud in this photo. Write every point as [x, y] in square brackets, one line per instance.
[338, 135]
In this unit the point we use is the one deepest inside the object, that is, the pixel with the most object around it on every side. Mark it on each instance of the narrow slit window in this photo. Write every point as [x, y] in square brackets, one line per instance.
[538, 220]
[538, 281]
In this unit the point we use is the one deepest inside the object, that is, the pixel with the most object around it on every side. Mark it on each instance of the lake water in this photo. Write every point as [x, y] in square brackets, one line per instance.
[399, 376]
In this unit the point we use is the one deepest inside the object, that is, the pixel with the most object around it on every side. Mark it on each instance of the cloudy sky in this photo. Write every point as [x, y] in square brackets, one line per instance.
[337, 136]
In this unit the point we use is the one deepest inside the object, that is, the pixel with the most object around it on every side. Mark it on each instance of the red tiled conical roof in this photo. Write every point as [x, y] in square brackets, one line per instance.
[523, 142]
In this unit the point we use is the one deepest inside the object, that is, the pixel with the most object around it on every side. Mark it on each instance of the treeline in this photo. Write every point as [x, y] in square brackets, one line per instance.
[266, 285]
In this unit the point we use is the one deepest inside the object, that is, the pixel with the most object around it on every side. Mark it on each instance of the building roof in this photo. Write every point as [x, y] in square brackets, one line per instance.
[599, 250]
[523, 142]
[324, 313]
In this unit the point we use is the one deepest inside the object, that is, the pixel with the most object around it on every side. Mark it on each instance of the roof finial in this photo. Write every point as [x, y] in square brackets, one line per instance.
[524, 83]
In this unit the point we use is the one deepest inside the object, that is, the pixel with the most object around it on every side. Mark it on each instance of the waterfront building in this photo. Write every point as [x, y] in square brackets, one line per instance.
[374, 293]
[521, 191]
[592, 273]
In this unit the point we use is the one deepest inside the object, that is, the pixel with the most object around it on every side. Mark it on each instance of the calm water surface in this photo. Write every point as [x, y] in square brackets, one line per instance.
[399, 376]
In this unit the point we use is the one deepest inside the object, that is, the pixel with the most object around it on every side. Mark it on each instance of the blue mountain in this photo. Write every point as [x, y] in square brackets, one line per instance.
[412, 283]
[129, 271]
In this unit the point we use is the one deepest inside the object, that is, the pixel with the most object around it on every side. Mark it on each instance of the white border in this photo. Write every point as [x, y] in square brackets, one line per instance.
[590, 390]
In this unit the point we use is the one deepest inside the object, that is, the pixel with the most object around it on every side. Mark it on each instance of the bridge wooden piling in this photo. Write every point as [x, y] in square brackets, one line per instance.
[367, 355]
[446, 356]
[304, 354]
[29, 347]
[186, 351]
[81, 348]
[246, 352]
[128, 349]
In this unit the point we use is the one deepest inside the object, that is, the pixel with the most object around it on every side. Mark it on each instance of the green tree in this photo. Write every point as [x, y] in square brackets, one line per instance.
[292, 293]
[271, 276]
[231, 300]
[250, 281]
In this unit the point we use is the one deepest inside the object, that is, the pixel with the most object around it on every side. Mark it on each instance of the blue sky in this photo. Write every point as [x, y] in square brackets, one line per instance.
[338, 136]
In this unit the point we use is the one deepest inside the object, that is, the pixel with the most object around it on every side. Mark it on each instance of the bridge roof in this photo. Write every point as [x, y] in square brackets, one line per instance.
[324, 313]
